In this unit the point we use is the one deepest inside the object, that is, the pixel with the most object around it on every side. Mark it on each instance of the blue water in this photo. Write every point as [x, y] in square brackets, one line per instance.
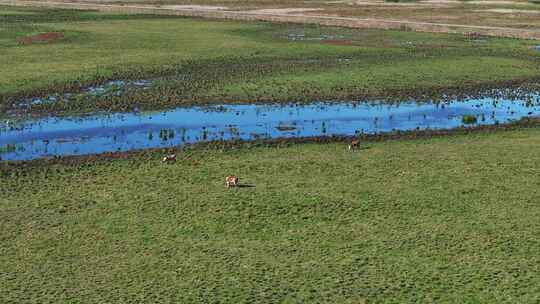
[47, 137]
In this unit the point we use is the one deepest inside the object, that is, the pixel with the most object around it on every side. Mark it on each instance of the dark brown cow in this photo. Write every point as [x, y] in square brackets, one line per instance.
[355, 144]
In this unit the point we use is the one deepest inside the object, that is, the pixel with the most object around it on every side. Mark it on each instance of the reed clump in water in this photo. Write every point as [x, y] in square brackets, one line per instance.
[469, 119]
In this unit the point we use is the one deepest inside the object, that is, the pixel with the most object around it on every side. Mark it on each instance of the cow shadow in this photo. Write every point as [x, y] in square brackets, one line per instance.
[245, 186]
[361, 148]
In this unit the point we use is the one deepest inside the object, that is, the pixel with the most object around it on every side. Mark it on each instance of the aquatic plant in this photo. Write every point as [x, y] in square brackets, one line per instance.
[7, 148]
[469, 119]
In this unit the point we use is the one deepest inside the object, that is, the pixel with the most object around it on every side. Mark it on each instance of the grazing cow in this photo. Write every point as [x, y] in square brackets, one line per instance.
[169, 158]
[231, 181]
[355, 144]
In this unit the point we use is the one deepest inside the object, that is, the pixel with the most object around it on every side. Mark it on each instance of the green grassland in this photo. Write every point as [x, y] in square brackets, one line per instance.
[207, 61]
[444, 220]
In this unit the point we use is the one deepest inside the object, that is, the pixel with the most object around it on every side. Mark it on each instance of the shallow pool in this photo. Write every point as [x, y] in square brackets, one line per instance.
[47, 137]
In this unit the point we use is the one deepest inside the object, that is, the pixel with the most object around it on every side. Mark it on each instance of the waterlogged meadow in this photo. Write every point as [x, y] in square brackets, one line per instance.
[190, 61]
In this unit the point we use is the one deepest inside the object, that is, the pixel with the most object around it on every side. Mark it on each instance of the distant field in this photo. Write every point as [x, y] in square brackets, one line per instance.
[201, 61]
[446, 220]
[499, 13]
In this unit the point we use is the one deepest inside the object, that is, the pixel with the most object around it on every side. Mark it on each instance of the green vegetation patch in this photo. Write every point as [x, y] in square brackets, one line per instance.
[451, 219]
[195, 61]
[469, 119]
[351, 78]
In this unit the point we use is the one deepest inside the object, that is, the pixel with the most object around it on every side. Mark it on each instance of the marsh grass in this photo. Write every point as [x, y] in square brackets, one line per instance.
[7, 148]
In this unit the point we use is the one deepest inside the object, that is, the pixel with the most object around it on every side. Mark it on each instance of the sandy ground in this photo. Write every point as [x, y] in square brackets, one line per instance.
[509, 11]
[283, 10]
[502, 2]
[429, 3]
[291, 15]
[194, 7]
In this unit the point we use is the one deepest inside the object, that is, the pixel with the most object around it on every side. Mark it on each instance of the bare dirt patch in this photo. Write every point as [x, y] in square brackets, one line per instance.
[430, 3]
[442, 1]
[292, 10]
[41, 38]
[195, 7]
[508, 11]
[491, 2]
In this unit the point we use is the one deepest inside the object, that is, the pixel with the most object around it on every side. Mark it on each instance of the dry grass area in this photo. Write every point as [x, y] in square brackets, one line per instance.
[517, 15]
[440, 15]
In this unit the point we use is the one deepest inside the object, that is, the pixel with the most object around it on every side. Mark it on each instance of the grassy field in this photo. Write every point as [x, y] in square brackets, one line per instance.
[201, 61]
[445, 220]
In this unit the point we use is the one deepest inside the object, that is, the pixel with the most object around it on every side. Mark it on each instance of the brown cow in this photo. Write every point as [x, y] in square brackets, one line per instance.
[231, 181]
[355, 144]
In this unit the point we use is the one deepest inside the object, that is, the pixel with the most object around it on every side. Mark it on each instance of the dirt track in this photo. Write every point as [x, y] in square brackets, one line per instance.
[294, 17]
